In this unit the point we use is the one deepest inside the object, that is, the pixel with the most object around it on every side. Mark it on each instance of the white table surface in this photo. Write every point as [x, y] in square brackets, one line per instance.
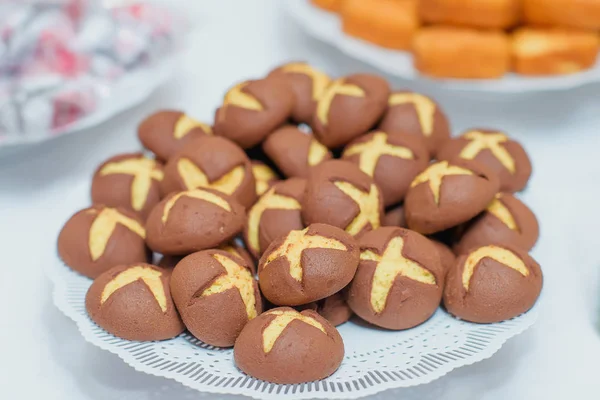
[42, 353]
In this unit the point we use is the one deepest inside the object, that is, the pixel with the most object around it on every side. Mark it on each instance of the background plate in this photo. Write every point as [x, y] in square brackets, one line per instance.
[326, 27]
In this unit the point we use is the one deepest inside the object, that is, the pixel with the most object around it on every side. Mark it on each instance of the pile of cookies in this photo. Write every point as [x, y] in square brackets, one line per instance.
[474, 39]
[309, 199]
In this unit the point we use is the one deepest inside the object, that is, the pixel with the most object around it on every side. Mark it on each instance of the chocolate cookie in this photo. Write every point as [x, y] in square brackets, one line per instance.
[447, 194]
[333, 308]
[216, 295]
[307, 265]
[492, 284]
[252, 110]
[394, 216]
[295, 152]
[166, 132]
[130, 181]
[307, 83]
[96, 239]
[264, 176]
[195, 220]
[275, 214]
[211, 162]
[338, 193]
[506, 220]
[416, 114]
[399, 281]
[348, 108]
[134, 302]
[504, 156]
[285, 346]
[447, 257]
[392, 161]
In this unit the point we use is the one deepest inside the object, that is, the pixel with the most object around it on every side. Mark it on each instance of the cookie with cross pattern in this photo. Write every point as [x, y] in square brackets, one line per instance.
[251, 110]
[349, 107]
[418, 115]
[505, 156]
[276, 213]
[307, 265]
[264, 176]
[131, 181]
[216, 295]
[167, 131]
[506, 220]
[285, 346]
[193, 220]
[211, 162]
[134, 302]
[338, 193]
[307, 83]
[392, 160]
[97, 238]
[233, 248]
[295, 152]
[492, 283]
[447, 194]
[399, 281]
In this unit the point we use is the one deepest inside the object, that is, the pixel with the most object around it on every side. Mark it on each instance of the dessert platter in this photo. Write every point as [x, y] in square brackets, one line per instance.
[321, 238]
[505, 46]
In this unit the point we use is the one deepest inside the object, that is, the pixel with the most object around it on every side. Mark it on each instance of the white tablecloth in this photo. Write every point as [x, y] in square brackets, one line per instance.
[43, 355]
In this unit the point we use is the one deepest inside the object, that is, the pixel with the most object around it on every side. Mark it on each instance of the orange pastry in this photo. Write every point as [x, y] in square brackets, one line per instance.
[387, 23]
[554, 51]
[464, 53]
[329, 5]
[491, 14]
[582, 14]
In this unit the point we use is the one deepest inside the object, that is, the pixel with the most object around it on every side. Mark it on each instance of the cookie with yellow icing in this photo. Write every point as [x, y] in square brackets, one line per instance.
[506, 220]
[307, 265]
[505, 156]
[349, 107]
[193, 220]
[419, 115]
[338, 193]
[307, 83]
[447, 194]
[251, 110]
[399, 281]
[134, 302]
[285, 346]
[211, 162]
[492, 283]
[167, 131]
[295, 152]
[96, 239]
[392, 160]
[276, 213]
[216, 295]
[131, 181]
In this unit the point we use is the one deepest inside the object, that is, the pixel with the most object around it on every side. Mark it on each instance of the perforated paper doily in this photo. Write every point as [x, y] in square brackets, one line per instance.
[326, 27]
[375, 359]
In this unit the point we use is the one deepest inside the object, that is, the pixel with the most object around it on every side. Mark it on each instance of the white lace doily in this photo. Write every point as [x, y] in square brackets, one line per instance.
[375, 359]
[326, 27]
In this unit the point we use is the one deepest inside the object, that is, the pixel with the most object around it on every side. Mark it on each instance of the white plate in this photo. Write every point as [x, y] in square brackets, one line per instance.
[127, 93]
[375, 359]
[326, 26]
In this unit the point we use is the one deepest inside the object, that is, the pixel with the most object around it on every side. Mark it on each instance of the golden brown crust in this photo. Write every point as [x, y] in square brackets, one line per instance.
[538, 51]
[449, 52]
[487, 14]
